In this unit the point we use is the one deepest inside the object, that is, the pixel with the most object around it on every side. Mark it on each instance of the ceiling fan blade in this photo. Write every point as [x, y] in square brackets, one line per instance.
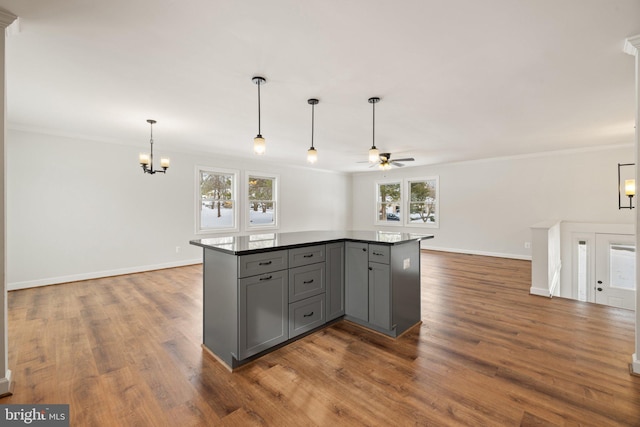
[408, 159]
[397, 164]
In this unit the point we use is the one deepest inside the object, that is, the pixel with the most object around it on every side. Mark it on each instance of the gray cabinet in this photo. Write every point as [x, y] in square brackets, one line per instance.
[307, 286]
[379, 292]
[306, 281]
[357, 280]
[334, 268]
[263, 315]
[256, 300]
[306, 314]
[372, 286]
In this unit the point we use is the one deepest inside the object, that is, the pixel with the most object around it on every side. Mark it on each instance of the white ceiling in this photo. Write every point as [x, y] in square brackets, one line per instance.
[458, 79]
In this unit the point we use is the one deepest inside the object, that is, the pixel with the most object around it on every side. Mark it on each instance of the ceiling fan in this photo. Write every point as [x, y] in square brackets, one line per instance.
[385, 162]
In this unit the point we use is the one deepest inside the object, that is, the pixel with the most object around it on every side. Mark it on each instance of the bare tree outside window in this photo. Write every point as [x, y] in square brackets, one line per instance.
[261, 195]
[423, 201]
[217, 209]
[389, 202]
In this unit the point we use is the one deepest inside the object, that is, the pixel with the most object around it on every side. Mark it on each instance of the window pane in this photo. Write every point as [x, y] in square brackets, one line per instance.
[261, 195]
[422, 205]
[260, 188]
[623, 266]
[389, 192]
[261, 213]
[217, 204]
[389, 212]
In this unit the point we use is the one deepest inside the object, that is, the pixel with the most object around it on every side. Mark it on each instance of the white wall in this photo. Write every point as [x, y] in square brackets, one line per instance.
[79, 209]
[487, 206]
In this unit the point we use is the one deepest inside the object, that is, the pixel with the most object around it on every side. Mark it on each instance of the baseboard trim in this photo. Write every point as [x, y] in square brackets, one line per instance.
[634, 366]
[6, 385]
[482, 253]
[543, 292]
[13, 286]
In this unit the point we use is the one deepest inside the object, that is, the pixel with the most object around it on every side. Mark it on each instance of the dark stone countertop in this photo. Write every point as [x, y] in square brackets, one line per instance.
[265, 242]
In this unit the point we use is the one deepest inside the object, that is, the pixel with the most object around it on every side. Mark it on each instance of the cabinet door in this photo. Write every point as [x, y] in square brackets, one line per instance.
[379, 295]
[335, 280]
[356, 280]
[264, 309]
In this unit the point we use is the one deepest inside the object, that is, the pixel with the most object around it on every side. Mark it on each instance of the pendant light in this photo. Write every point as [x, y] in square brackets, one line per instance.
[312, 153]
[374, 154]
[146, 160]
[259, 146]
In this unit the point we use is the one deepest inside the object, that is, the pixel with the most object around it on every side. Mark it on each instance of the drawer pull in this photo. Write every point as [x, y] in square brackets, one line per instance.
[308, 314]
[265, 263]
[377, 253]
[306, 282]
[307, 256]
[267, 278]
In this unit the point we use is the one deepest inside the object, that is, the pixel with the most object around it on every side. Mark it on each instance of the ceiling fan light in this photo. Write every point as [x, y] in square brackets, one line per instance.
[374, 154]
[259, 147]
[312, 155]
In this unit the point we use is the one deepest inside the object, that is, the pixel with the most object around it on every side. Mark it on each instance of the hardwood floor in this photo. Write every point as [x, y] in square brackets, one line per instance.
[125, 351]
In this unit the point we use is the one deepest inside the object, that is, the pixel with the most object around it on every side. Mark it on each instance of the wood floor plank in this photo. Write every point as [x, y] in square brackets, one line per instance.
[126, 351]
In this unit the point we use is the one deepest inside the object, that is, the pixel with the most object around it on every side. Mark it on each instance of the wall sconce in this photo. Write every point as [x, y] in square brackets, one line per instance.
[629, 188]
[146, 160]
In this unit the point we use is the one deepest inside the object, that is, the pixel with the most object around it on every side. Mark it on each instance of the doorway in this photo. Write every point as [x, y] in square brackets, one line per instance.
[615, 270]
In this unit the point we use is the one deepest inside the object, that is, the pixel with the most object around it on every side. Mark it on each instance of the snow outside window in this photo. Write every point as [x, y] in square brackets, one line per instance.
[423, 202]
[262, 201]
[216, 208]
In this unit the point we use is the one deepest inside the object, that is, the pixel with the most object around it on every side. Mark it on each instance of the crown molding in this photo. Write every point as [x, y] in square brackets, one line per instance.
[6, 18]
[632, 45]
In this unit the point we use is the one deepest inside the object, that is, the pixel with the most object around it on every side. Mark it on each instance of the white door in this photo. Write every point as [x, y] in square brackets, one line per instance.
[616, 270]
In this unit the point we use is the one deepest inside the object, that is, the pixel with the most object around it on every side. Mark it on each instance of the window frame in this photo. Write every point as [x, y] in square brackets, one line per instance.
[407, 221]
[376, 210]
[235, 226]
[275, 200]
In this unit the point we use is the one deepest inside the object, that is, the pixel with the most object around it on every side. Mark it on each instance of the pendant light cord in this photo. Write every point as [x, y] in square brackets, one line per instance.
[374, 124]
[259, 83]
[313, 108]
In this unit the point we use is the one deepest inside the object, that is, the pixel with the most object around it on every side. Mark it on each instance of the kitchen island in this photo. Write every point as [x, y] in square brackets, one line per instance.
[262, 290]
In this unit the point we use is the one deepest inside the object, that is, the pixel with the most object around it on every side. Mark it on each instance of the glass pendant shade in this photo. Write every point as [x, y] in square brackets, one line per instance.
[259, 147]
[374, 154]
[312, 155]
[630, 187]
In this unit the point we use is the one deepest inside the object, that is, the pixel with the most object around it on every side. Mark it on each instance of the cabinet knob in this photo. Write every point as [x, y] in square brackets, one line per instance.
[370, 268]
[364, 249]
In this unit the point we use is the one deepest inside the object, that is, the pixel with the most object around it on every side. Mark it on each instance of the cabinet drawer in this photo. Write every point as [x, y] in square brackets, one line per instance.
[306, 281]
[305, 315]
[379, 253]
[251, 265]
[306, 255]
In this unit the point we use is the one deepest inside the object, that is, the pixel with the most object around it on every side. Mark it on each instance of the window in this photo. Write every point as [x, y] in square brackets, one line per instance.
[423, 202]
[388, 203]
[216, 208]
[262, 197]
